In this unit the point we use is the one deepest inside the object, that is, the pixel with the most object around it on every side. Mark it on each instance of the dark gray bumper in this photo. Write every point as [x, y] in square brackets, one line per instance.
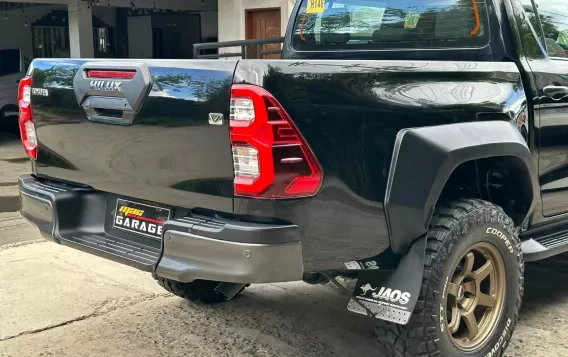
[191, 248]
[187, 257]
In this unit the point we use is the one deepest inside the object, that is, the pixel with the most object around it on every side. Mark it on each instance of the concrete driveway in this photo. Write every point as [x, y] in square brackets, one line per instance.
[55, 301]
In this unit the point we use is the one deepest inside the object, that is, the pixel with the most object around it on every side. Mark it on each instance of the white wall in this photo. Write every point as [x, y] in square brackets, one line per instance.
[232, 16]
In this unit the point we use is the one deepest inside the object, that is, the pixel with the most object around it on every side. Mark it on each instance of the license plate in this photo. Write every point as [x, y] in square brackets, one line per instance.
[140, 219]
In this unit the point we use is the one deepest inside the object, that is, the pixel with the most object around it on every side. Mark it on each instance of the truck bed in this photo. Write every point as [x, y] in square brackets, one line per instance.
[349, 112]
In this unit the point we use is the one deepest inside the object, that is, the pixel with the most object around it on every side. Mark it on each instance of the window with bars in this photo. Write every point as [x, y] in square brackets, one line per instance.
[53, 42]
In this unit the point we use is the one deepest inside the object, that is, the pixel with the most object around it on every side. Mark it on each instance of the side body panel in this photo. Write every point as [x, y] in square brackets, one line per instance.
[171, 153]
[350, 113]
[552, 107]
[547, 117]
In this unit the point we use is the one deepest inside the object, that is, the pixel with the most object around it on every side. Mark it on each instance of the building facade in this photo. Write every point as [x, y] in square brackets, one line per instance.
[134, 28]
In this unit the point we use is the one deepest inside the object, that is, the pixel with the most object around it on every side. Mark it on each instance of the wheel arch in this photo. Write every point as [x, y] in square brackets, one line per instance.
[430, 163]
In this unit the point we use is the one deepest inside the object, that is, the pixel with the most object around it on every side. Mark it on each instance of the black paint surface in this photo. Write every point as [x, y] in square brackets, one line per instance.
[350, 113]
[171, 154]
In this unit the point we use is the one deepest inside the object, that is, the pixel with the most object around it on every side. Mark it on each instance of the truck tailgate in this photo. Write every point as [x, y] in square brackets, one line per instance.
[161, 136]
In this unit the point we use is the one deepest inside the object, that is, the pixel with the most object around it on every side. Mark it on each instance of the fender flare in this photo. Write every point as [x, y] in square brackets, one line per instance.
[423, 160]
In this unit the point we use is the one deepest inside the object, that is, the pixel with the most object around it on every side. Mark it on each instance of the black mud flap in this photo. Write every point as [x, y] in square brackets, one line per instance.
[392, 297]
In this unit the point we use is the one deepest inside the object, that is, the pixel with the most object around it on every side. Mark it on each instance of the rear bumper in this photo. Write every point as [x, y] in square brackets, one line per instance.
[191, 247]
[187, 257]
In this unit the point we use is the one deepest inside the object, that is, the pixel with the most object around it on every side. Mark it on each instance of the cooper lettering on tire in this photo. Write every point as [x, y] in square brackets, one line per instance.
[501, 235]
[472, 286]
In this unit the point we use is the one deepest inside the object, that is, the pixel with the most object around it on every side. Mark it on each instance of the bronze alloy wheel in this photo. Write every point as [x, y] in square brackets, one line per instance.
[472, 286]
[475, 295]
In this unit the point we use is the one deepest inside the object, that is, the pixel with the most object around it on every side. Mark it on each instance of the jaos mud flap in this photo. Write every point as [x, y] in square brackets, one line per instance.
[394, 297]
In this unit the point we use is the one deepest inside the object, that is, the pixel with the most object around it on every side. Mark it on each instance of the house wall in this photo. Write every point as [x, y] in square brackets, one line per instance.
[232, 16]
[13, 31]
[15, 34]
[225, 25]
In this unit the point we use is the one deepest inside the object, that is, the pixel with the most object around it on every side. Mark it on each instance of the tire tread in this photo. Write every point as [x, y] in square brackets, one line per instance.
[418, 337]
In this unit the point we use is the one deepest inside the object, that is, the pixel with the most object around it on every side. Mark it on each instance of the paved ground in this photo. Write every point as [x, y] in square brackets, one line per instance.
[55, 301]
[13, 163]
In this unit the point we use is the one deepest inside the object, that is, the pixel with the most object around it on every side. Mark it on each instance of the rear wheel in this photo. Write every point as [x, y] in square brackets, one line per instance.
[197, 290]
[471, 290]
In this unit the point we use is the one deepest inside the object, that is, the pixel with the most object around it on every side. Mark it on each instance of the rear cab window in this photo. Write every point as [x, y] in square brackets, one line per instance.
[331, 25]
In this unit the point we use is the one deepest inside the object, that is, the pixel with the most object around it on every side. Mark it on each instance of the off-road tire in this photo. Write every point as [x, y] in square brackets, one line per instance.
[456, 226]
[198, 290]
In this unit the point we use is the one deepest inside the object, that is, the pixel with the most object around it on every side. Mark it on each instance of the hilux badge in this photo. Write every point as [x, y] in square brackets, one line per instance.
[106, 86]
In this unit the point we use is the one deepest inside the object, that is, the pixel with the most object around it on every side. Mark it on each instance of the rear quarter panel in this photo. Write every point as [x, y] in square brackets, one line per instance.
[350, 113]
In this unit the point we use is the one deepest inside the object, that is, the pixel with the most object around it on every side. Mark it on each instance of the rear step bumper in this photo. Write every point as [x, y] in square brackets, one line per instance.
[191, 248]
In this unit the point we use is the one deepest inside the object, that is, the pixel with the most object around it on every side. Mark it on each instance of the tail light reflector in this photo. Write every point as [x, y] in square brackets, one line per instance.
[26, 119]
[246, 163]
[242, 111]
[271, 158]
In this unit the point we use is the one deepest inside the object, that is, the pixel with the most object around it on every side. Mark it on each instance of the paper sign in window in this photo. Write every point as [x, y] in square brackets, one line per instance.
[411, 21]
[366, 19]
[315, 6]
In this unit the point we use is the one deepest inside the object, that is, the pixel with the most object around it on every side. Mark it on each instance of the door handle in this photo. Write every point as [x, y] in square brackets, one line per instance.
[556, 90]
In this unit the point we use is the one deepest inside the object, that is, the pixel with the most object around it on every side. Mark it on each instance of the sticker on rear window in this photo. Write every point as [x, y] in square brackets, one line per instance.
[411, 21]
[315, 6]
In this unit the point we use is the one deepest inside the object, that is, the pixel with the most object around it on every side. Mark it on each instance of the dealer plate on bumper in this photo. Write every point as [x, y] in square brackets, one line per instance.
[140, 218]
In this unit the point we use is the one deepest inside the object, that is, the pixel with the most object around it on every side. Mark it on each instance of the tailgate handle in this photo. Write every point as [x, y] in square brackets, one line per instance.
[112, 93]
[108, 108]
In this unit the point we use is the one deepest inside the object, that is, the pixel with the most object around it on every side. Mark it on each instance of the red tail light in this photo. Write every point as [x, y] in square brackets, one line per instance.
[106, 74]
[271, 158]
[26, 120]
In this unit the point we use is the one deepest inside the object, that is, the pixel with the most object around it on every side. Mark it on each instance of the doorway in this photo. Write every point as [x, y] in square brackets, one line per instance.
[264, 23]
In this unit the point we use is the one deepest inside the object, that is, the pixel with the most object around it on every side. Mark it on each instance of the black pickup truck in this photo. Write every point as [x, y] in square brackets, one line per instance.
[417, 146]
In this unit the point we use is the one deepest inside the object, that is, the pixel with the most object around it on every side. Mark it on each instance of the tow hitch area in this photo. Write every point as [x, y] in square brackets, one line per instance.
[392, 297]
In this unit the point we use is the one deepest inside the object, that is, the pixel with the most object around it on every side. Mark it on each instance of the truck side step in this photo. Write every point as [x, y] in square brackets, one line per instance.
[545, 246]
[124, 251]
